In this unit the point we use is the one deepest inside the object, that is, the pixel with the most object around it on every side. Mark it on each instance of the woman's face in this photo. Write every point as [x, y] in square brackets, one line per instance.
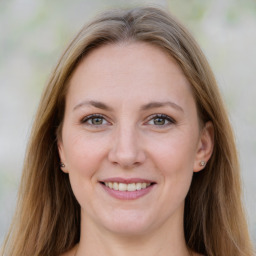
[131, 138]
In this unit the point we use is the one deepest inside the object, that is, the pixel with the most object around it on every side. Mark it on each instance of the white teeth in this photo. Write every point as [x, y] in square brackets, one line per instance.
[115, 186]
[138, 186]
[131, 187]
[122, 187]
[127, 187]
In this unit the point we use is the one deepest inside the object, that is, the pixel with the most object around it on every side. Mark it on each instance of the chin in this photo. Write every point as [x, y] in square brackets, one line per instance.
[130, 224]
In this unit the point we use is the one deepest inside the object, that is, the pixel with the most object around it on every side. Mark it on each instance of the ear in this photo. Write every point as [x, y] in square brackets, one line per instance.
[205, 147]
[62, 156]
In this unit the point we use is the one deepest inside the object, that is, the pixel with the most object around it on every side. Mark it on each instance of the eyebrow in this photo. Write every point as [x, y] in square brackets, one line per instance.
[96, 104]
[148, 106]
[157, 104]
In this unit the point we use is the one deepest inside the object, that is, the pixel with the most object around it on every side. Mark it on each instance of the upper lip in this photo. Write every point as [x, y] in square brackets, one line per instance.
[127, 181]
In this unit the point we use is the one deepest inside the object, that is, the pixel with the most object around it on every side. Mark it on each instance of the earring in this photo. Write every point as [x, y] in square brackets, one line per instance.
[202, 163]
[62, 165]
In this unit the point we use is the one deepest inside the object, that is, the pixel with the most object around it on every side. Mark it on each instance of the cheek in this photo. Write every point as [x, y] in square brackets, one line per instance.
[174, 159]
[83, 154]
[175, 153]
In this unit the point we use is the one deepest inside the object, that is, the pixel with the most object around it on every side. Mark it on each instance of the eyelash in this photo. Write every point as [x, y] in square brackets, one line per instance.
[88, 120]
[161, 116]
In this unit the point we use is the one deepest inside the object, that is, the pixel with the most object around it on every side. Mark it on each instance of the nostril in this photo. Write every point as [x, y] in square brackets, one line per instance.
[126, 149]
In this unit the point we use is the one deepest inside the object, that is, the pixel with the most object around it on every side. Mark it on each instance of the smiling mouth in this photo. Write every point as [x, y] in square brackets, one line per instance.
[130, 187]
[127, 187]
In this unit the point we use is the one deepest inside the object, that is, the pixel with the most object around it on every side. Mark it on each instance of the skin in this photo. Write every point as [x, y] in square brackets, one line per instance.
[129, 141]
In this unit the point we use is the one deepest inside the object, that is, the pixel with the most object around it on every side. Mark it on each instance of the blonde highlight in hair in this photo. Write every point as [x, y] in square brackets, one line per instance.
[47, 220]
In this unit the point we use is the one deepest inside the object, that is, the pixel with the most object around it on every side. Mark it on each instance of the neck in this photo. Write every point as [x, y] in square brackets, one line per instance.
[168, 240]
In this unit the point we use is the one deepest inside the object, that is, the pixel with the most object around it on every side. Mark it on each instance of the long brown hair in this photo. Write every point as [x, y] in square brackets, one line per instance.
[47, 220]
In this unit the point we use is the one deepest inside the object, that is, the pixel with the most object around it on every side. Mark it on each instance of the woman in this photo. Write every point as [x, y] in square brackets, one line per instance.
[131, 149]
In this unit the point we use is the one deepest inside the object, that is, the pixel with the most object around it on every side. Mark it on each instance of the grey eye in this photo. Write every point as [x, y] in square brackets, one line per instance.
[94, 120]
[159, 121]
[97, 120]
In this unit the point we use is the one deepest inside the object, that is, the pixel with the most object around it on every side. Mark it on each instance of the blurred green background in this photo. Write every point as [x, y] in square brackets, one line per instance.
[34, 33]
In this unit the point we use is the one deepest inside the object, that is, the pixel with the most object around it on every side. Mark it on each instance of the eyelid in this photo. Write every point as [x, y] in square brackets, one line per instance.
[170, 120]
[164, 116]
[91, 116]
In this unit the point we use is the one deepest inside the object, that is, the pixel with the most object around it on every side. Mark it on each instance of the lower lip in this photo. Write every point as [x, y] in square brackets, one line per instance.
[128, 195]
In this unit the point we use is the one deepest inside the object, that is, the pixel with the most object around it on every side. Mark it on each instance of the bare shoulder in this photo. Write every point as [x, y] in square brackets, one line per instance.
[70, 252]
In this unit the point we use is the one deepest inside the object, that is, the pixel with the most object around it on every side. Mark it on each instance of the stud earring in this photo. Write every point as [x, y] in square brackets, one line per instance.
[62, 165]
[202, 163]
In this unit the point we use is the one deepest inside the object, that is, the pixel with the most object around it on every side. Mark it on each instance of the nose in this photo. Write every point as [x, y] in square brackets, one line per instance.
[126, 150]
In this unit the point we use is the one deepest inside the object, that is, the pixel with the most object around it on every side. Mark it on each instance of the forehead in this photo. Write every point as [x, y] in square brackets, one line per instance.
[130, 55]
[131, 71]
